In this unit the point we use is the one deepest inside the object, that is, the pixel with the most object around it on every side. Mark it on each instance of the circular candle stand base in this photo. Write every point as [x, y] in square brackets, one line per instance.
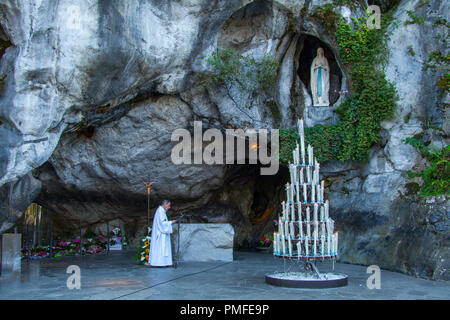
[307, 280]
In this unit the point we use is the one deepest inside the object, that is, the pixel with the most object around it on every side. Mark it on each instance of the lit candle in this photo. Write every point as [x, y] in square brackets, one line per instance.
[280, 227]
[302, 140]
[318, 193]
[305, 198]
[322, 188]
[293, 212]
[326, 210]
[308, 224]
[287, 192]
[292, 229]
[323, 245]
[323, 228]
[292, 192]
[291, 172]
[299, 211]
[306, 246]
[316, 207]
[290, 246]
[316, 228]
[329, 244]
[300, 226]
[294, 169]
[299, 248]
[301, 176]
[322, 213]
[308, 174]
[279, 244]
[313, 193]
[283, 245]
[315, 243]
[286, 229]
[332, 244]
[275, 243]
[297, 154]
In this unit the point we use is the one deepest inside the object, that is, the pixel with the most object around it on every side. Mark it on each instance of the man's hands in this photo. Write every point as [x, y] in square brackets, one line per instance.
[173, 221]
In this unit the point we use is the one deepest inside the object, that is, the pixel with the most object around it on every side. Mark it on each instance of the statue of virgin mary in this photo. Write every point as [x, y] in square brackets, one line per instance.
[320, 79]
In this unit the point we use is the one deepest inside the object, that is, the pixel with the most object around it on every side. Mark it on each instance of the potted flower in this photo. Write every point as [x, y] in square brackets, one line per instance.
[264, 243]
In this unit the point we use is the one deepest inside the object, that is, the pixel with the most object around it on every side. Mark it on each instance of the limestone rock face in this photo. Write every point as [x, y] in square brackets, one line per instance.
[204, 242]
[90, 93]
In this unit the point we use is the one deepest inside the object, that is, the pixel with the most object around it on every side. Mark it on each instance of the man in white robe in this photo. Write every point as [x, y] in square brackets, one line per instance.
[160, 245]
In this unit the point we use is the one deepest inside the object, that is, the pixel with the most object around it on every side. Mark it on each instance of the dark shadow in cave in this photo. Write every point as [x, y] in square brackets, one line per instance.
[307, 55]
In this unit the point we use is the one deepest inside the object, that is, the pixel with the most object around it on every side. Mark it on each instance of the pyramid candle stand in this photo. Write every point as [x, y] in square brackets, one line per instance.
[305, 232]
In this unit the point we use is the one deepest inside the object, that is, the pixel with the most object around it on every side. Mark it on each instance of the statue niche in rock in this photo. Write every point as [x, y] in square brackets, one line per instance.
[320, 79]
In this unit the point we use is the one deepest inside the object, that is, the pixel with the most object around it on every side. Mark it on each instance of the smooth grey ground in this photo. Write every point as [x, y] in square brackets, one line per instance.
[118, 276]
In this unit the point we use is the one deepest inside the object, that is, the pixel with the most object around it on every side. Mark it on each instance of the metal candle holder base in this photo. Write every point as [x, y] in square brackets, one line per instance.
[297, 280]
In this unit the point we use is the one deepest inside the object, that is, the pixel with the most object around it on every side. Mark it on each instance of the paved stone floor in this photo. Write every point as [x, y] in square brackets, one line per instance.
[118, 276]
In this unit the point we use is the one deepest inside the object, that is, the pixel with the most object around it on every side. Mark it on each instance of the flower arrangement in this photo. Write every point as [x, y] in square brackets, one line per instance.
[144, 250]
[266, 240]
[67, 248]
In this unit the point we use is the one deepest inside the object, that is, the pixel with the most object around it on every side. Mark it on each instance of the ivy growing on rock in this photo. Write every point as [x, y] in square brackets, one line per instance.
[251, 77]
[436, 177]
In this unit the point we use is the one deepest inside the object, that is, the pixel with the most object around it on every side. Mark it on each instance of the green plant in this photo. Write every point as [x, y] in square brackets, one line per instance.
[439, 62]
[414, 18]
[326, 16]
[436, 177]
[251, 77]
[411, 51]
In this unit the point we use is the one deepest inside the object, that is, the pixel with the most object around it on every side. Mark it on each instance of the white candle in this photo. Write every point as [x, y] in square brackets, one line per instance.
[326, 210]
[306, 246]
[301, 176]
[294, 169]
[315, 244]
[322, 213]
[292, 229]
[323, 245]
[297, 189]
[299, 248]
[313, 193]
[308, 224]
[305, 198]
[323, 228]
[322, 191]
[279, 243]
[332, 245]
[329, 244]
[299, 211]
[308, 174]
[316, 228]
[290, 247]
[291, 172]
[300, 226]
[283, 245]
[292, 192]
[286, 229]
[274, 243]
[302, 140]
[316, 207]
[318, 193]
[280, 227]
[312, 155]
[297, 154]
[293, 212]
